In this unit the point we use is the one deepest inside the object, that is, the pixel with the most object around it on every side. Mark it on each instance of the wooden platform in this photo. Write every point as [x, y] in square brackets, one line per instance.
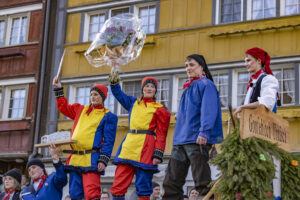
[59, 143]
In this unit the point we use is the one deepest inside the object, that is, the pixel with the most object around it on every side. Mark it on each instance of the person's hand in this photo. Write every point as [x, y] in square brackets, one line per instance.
[237, 111]
[101, 167]
[156, 161]
[114, 78]
[56, 82]
[54, 150]
[201, 140]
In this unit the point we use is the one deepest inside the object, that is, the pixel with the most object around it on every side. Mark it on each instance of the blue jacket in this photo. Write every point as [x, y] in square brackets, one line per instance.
[199, 114]
[52, 187]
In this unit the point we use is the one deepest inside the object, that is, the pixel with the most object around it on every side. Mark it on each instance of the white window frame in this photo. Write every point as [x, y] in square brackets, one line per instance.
[4, 31]
[73, 89]
[282, 67]
[218, 13]
[87, 19]
[8, 25]
[175, 89]
[6, 101]
[234, 96]
[222, 72]
[282, 8]
[119, 106]
[161, 78]
[117, 8]
[249, 11]
[136, 10]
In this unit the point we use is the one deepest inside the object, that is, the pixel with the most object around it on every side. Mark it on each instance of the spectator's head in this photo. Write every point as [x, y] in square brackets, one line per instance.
[105, 196]
[156, 190]
[24, 180]
[195, 66]
[12, 180]
[36, 168]
[98, 94]
[193, 195]
[185, 197]
[149, 87]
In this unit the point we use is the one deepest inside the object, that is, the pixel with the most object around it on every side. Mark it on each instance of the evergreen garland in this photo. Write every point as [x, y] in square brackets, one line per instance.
[247, 170]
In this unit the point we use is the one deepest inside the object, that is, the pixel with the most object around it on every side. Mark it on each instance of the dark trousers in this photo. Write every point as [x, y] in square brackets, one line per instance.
[182, 157]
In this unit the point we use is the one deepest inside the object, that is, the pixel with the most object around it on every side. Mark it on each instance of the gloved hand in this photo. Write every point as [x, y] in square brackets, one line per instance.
[114, 78]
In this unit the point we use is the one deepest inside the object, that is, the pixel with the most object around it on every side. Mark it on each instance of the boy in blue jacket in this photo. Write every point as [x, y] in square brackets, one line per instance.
[45, 187]
[198, 126]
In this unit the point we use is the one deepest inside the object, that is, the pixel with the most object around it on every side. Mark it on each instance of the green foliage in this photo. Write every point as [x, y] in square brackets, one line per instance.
[247, 168]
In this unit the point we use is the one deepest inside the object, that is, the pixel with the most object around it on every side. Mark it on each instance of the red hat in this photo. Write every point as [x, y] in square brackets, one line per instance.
[263, 56]
[149, 80]
[101, 89]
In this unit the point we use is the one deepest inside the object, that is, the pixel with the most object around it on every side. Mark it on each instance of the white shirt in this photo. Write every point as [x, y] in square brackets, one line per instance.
[268, 91]
[36, 184]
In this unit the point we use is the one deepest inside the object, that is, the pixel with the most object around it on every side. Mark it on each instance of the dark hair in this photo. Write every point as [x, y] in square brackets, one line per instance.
[192, 190]
[200, 59]
[106, 193]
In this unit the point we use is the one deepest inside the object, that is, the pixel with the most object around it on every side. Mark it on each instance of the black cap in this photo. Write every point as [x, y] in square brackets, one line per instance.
[35, 161]
[15, 173]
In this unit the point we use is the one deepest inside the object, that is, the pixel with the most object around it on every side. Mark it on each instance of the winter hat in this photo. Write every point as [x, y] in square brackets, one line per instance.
[15, 173]
[147, 80]
[101, 89]
[35, 161]
[263, 56]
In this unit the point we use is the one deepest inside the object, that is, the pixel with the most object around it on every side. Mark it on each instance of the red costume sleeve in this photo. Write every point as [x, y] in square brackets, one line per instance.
[65, 108]
[162, 126]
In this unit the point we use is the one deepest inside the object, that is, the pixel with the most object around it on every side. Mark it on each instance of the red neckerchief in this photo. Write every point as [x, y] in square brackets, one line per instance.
[188, 83]
[8, 193]
[44, 177]
[92, 107]
[148, 99]
[254, 76]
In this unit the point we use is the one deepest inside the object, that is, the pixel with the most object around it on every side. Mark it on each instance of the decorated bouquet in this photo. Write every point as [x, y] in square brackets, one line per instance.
[119, 41]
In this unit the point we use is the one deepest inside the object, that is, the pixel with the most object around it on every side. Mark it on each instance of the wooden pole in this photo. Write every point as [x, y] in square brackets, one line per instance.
[211, 191]
[60, 64]
[231, 115]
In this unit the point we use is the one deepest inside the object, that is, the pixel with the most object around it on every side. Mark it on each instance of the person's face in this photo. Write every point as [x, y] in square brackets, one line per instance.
[193, 195]
[9, 183]
[104, 196]
[149, 90]
[96, 98]
[252, 64]
[156, 191]
[35, 171]
[192, 68]
[24, 180]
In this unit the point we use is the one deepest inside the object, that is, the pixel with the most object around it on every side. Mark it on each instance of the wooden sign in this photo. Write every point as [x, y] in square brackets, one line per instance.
[58, 143]
[265, 124]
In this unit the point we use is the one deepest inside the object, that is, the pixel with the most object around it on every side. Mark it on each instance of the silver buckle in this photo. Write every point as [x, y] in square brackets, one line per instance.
[135, 130]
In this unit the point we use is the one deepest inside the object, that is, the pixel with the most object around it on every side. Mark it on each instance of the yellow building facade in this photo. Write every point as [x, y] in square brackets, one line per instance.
[220, 30]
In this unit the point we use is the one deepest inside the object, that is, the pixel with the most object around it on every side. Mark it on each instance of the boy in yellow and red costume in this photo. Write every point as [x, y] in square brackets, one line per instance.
[94, 129]
[142, 149]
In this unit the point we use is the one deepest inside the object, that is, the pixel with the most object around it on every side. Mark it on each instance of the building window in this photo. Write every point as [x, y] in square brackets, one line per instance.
[110, 100]
[95, 25]
[286, 79]
[16, 104]
[118, 11]
[263, 9]
[83, 95]
[181, 82]
[13, 30]
[292, 7]
[18, 30]
[148, 14]
[162, 94]
[230, 11]
[243, 79]
[131, 88]
[2, 31]
[221, 82]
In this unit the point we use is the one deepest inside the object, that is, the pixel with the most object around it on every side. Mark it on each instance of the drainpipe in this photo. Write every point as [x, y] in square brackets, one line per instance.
[42, 75]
